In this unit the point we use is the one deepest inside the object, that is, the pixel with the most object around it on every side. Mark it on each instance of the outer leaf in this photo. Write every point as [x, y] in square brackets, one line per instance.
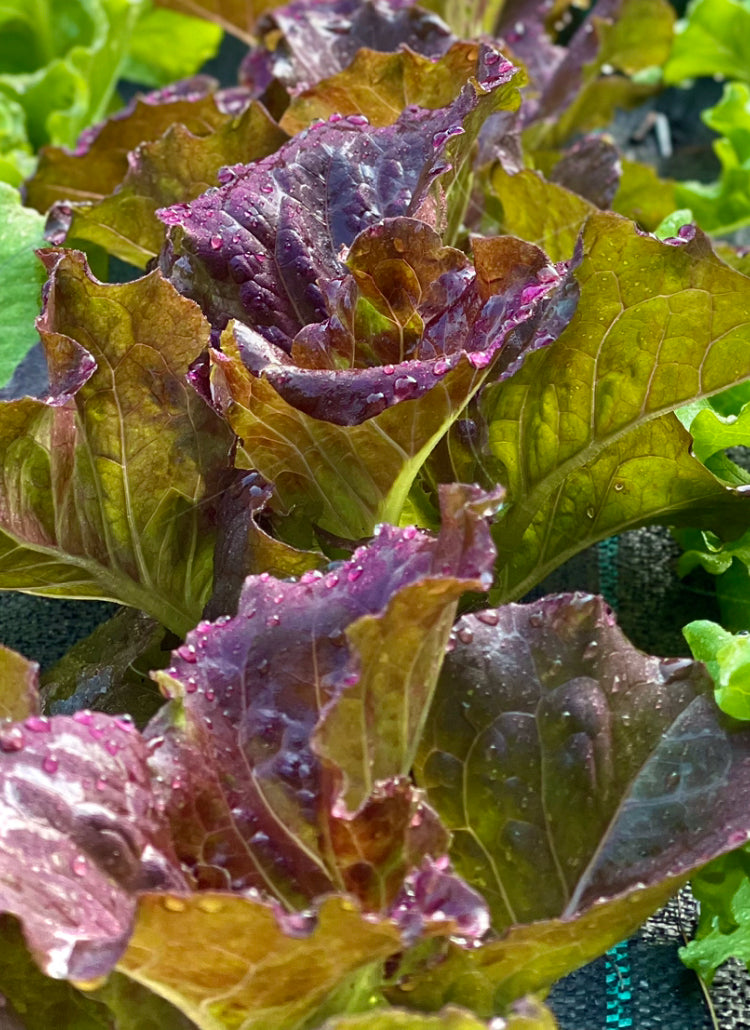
[21, 278]
[163, 154]
[250, 801]
[80, 834]
[723, 891]
[256, 248]
[722, 206]
[596, 73]
[19, 686]
[108, 670]
[134, 1007]
[380, 86]
[238, 17]
[585, 429]
[530, 1015]
[714, 39]
[230, 961]
[167, 46]
[643, 196]
[37, 1000]
[582, 781]
[98, 501]
[71, 57]
[727, 658]
[307, 41]
[99, 161]
[543, 213]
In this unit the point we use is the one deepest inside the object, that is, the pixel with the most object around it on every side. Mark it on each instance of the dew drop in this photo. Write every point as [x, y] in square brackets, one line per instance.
[11, 738]
[191, 685]
[465, 635]
[84, 717]
[50, 764]
[273, 620]
[174, 904]
[266, 187]
[590, 512]
[210, 905]
[619, 487]
[101, 784]
[354, 574]
[187, 653]
[112, 747]
[488, 617]
[388, 370]
[38, 724]
[79, 866]
[210, 695]
[215, 242]
[404, 384]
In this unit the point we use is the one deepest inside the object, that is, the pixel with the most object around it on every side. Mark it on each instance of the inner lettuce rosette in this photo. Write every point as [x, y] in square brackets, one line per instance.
[348, 337]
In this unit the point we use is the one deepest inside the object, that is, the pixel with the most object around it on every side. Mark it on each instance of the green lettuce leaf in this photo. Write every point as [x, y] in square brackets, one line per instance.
[38, 1001]
[713, 39]
[717, 424]
[586, 431]
[21, 278]
[98, 502]
[60, 61]
[167, 46]
[724, 205]
[526, 1015]
[727, 658]
[723, 891]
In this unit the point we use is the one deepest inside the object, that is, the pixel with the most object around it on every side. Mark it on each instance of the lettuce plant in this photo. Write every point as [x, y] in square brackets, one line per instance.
[391, 345]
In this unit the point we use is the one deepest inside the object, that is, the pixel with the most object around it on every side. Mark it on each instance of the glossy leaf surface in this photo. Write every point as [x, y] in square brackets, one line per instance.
[96, 503]
[256, 248]
[81, 834]
[254, 967]
[250, 801]
[582, 780]
[585, 429]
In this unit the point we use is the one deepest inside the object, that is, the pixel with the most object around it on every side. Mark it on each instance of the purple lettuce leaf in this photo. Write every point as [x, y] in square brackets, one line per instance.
[106, 485]
[591, 168]
[256, 248]
[81, 835]
[309, 40]
[594, 73]
[250, 801]
[343, 445]
[582, 780]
